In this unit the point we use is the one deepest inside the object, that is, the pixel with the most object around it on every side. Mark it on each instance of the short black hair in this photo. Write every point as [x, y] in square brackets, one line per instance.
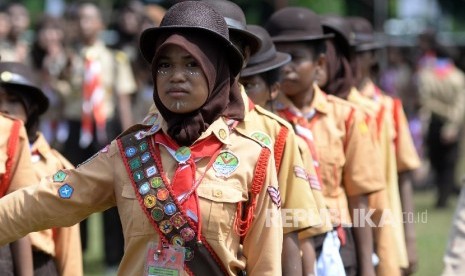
[272, 76]
[317, 46]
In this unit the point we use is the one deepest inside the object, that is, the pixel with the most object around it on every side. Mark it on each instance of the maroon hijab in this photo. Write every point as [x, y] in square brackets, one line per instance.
[224, 97]
[340, 77]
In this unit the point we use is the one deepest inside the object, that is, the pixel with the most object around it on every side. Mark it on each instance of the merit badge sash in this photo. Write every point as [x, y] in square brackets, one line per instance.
[162, 208]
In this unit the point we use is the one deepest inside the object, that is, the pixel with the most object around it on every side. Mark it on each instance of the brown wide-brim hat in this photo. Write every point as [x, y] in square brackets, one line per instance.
[192, 17]
[19, 77]
[363, 35]
[235, 19]
[267, 58]
[337, 25]
[293, 24]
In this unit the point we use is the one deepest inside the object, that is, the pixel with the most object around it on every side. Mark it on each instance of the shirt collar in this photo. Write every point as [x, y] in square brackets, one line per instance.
[40, 146]
[320, 101]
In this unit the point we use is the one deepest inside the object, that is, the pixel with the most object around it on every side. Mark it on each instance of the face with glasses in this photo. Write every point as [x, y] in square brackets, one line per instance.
[180, 81]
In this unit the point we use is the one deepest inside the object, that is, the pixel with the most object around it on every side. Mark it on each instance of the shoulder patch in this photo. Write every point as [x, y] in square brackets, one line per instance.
[262, 138]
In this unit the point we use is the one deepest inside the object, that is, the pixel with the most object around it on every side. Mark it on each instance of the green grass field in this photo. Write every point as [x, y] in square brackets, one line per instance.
[432, 232]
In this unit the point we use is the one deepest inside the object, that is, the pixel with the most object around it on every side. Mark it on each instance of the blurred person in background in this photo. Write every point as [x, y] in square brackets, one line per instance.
[6, 50]
[441, 88]
[96, 87]
[20, 20]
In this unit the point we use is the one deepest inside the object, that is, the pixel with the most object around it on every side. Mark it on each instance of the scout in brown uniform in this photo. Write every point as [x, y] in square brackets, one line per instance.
[398, 135]
[55, 251]
[261, 82]
[196, 205]
[388, 237]
[344, 146]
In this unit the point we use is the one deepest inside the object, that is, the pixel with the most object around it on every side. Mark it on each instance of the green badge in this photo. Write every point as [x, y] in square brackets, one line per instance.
[143, 146]
[261, 137]
[156, 182]
[138, 175]
[59, 176]
[225, 164]
[135, 163]
[182, 154]
[157, 214]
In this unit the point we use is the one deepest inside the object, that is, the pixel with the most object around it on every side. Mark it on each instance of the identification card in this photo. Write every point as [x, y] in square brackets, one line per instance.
[168, 262]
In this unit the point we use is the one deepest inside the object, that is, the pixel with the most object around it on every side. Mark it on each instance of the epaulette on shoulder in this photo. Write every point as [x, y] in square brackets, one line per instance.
[260, 110]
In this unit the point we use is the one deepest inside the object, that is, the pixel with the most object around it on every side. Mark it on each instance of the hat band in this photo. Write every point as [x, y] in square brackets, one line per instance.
[269, 54]
[233, 23]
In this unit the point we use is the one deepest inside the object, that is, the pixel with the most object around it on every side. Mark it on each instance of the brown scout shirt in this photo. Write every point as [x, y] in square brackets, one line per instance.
[345, 154]
[63, 243]
[21, 173]
[102, 182]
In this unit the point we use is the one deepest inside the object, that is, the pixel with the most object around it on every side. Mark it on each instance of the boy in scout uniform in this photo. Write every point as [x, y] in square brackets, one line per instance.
[398, 139]
[189, 187]
[260, 79]
[388, 237]
[55, 251]
[343, 143]
[96, 88]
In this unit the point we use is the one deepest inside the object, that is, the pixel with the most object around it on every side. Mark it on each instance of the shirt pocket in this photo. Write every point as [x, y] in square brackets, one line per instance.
[330, 171]
[133, 218]
[218, 204]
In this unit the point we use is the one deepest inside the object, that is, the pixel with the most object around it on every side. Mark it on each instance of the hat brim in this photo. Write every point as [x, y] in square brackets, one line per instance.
[251, 40]
[368, 46]
[35, 93]
[299, 37]
[279, 60]
[150, 36]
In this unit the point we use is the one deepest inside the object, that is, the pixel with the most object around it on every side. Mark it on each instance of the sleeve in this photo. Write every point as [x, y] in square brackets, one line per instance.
[362, 171]
[22, 171]
[61, 200]
[406, 154]
[262, 245]
[68, 251]
[125, 81]
[296, 193]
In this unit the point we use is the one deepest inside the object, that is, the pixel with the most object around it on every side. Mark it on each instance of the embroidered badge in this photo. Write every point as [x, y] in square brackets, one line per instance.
[275, 195]
[156, 182]
[143, 146]
[166, 226]
[153, 129]
[144, 188]
[139, 135]
[130, 151]
[187, 234]
[162, 194]
[170, 209]
[157, 214]
[178, 220]
[138, 175]
[150, 171]
[135, 163]
[188, 254]
[105, 149]
[262, 137]
[182, 154]
[300, 172]
[65, 191]
[314, 182]
[150, 201]
[150, 120]
[145, 157]
[59, 176]
[225, 164]
[177, 240]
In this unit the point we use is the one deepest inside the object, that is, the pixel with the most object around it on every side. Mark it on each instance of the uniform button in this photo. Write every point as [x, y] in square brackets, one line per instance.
[217, 193]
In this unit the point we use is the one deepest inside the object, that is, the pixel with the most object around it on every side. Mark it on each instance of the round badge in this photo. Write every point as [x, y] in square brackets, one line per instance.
[157, 214]
[170, 209]
[150, 201]
[156, 182]
[130, 151]
[177, 240]
[178, 220]
[145, 157]
[144, 188]
[165, 226]
[162, 194]
[182, 154]
[222, 134]
[187, 234]
[188, 254]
